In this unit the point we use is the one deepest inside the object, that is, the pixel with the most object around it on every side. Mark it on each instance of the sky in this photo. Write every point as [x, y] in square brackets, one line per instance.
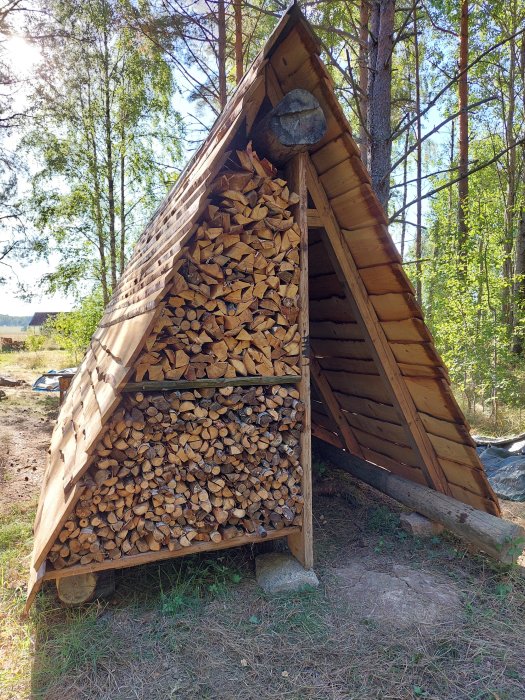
[24, 57]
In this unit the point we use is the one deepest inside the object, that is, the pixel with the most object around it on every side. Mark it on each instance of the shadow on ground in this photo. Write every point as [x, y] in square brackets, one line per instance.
[394, 617]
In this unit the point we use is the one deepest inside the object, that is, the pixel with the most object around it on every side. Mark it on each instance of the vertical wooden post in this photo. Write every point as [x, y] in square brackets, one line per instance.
[64, 382]
[301, 544]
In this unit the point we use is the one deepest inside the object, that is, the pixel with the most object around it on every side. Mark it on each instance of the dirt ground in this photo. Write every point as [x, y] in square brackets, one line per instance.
[394, 617]
[26, 423]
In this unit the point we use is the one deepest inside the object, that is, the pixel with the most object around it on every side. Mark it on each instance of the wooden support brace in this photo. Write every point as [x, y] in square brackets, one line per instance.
[334, 409]
[301, 544]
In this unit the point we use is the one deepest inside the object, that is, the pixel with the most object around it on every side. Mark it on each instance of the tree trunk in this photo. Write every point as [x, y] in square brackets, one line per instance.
[239, 65]
[364, 16]
[221, 25]
[510, 198]
[495, 536]
[380, 97]
[109, 165]
[405, 194]
[519, 287]
[519, 254]
[463, 141]
[122, 211]
[419, 154]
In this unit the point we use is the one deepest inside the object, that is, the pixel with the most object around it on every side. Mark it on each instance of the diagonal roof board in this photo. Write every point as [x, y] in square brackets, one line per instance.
[379, 302]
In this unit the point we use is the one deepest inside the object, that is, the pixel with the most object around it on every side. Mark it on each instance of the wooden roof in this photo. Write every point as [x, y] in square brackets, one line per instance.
[40, 317]
[380, 388]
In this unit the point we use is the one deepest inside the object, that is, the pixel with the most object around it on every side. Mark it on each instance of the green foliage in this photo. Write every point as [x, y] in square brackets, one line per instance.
[35, 342]
[194, 582]
[103, 129]
[465, 311]
[73, 330]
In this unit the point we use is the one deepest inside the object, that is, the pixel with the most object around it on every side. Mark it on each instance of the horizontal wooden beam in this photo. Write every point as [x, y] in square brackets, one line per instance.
[149, 557]
[182, 384]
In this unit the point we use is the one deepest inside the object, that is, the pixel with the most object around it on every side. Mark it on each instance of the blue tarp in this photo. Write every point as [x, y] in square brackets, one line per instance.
[49, 380]
[505, 468]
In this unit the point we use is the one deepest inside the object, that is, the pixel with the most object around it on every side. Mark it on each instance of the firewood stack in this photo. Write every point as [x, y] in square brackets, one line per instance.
[233, 306]
[209, 464]
[193, 466]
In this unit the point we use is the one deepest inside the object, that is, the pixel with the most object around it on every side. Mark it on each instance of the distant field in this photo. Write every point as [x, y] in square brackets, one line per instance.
[14, 332]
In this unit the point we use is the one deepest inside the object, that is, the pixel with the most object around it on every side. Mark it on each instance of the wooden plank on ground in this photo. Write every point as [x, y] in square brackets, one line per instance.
[163, 554]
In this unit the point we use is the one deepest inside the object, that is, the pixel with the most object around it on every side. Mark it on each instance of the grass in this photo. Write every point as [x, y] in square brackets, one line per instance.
[40, 361]
[14, 332]
[508, 421]
[199, 628]
[15, 637]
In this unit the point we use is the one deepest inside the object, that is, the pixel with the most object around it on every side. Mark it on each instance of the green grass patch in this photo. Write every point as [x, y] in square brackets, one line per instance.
[80, 643]
[192, 583]
[382, 520]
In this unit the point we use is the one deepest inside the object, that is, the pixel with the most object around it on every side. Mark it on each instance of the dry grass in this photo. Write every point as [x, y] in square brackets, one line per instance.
[28, 365]
[508, 420]
[14, 332]
[200, 629]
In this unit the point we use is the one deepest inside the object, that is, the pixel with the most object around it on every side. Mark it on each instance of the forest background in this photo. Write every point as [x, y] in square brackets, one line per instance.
[102, 102]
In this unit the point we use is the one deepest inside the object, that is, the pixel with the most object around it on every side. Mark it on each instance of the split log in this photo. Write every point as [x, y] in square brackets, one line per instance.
[498, 538]
[185, 467]
[294, 125]
[83, 588]
[233, 308]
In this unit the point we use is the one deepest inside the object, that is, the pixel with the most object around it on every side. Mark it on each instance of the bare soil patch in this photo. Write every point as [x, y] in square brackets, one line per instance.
[402, 597]
[26, 423]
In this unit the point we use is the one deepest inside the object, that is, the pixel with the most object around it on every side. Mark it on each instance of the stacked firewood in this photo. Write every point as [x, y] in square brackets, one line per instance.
[233, 306]
[186, 467]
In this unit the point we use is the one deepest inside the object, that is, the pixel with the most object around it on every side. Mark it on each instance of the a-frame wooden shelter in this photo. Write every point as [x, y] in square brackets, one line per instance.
[378, 387]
